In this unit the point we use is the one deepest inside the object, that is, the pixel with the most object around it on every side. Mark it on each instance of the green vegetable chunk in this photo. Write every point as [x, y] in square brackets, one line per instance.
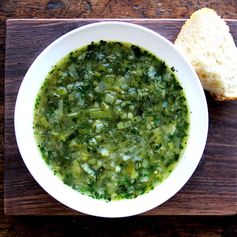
[111, 120]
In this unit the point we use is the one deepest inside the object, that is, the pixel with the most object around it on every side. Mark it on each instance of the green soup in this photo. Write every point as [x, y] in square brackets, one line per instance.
[111, 120]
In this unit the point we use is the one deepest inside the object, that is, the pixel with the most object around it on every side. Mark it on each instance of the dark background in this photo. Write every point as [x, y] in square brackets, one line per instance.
[91, 226]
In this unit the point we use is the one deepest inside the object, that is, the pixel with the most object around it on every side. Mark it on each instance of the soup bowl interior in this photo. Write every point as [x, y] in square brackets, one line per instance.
[24, 115]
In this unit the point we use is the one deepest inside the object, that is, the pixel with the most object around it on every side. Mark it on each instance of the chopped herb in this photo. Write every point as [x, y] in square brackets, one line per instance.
[111, 120]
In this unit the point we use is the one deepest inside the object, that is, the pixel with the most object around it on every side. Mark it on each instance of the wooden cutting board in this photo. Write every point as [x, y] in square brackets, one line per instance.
[212, 190]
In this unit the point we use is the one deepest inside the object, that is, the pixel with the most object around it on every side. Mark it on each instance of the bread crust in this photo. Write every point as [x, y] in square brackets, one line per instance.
[222, 97]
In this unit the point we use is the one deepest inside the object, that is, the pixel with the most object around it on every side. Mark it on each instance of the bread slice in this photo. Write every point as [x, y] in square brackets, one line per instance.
[206, 41]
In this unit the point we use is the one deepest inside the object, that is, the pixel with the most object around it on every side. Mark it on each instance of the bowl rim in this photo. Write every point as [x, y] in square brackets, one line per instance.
[120, 208]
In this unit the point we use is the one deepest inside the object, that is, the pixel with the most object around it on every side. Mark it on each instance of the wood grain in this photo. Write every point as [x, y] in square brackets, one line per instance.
[139, 226]
[81, 225]
[212, 190]
[113, 8]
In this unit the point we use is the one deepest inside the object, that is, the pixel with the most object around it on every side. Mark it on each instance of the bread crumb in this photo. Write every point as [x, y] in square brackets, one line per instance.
[206, 41]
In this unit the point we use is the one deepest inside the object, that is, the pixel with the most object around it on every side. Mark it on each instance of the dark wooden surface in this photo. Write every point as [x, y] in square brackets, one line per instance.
[88, 226]
[211, 190]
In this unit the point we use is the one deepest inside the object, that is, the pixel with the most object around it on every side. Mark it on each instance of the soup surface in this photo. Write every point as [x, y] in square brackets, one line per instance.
[111, 120]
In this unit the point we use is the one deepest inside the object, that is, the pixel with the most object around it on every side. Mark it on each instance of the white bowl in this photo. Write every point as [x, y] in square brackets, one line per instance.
[158, 45]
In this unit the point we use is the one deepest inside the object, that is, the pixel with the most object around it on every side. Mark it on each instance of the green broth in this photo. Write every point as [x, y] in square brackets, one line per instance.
[111, 120]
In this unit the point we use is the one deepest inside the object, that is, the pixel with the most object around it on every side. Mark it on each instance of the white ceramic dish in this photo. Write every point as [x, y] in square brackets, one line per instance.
[116, 31]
